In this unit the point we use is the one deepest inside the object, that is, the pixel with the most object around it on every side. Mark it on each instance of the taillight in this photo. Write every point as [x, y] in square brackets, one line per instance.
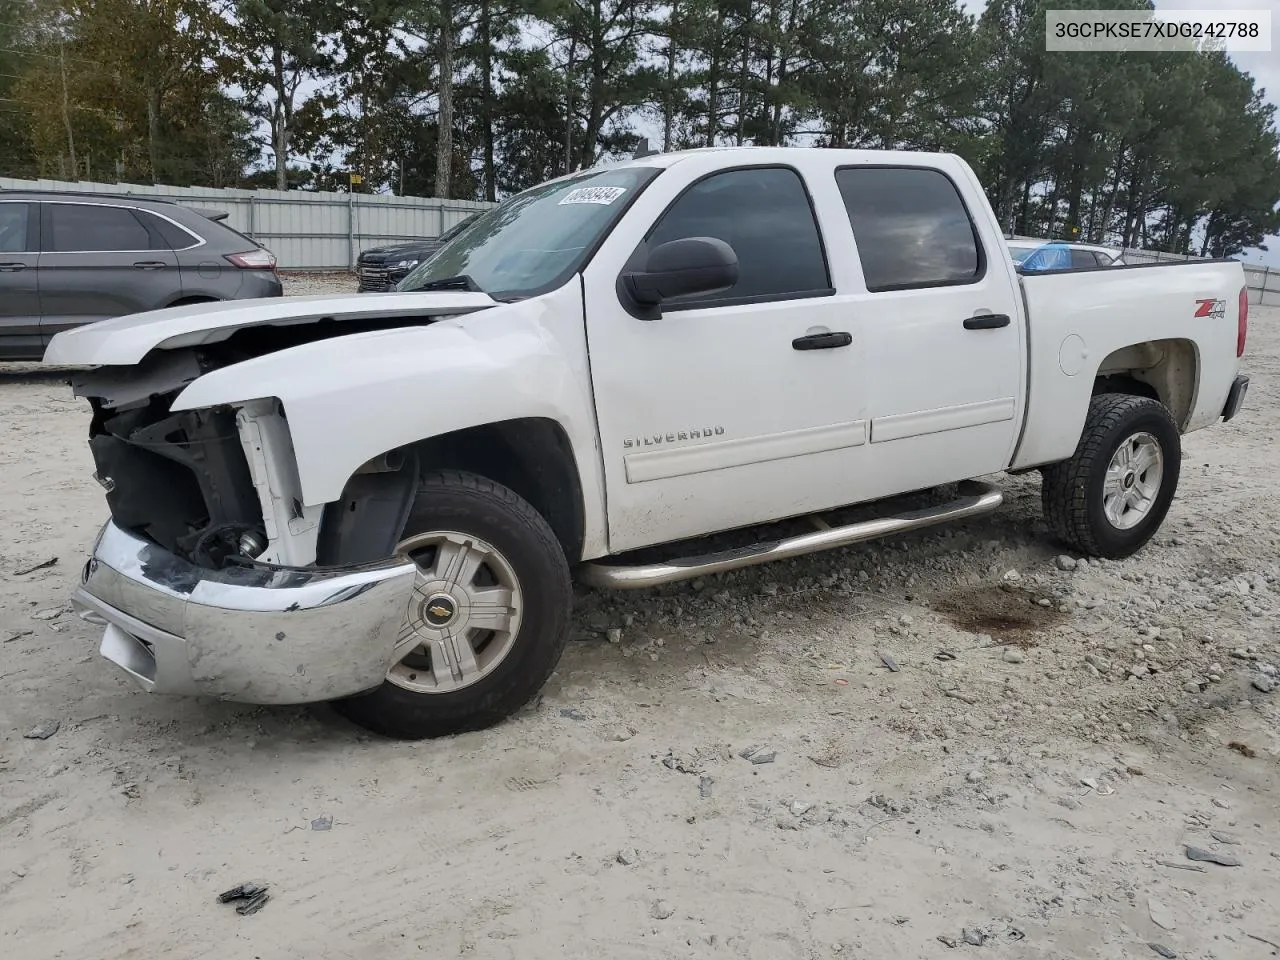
[259, 259]
[1242, 330]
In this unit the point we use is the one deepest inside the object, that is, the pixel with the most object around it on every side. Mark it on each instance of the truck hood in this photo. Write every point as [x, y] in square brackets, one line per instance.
[400, 251]
[124, 341]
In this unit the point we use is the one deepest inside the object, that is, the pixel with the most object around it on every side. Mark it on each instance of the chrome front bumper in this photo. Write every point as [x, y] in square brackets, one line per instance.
[248, 634]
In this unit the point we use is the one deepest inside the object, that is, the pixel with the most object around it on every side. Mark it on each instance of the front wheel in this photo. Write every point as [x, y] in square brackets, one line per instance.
[488, 617]
[1110, 498]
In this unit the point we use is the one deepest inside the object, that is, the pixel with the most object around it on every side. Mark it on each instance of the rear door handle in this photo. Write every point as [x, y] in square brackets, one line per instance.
[822, 341]
[986, 321]
[12, 267]
[150, 265]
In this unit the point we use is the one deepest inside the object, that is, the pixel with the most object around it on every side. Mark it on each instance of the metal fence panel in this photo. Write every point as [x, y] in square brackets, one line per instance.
[305, 230]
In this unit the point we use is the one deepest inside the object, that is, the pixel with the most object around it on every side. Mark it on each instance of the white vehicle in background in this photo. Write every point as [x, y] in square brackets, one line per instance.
[380, 499]
[1037, 255]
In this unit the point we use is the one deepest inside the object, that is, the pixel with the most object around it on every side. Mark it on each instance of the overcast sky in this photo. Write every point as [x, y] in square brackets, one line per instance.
[1265, 68]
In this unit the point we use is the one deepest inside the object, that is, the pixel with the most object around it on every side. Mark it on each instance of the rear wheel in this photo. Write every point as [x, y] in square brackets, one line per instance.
[1110, 498]
[488, 617]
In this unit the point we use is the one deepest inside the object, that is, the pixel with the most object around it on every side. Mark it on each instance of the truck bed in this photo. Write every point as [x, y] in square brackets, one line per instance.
[1083, 323]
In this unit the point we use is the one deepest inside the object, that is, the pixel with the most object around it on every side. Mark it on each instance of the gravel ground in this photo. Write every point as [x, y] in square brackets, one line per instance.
[1023, 780]
[310, 284]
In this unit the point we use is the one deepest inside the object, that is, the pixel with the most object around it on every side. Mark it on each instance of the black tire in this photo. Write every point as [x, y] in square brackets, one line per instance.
[471, 504]
[1073, 491]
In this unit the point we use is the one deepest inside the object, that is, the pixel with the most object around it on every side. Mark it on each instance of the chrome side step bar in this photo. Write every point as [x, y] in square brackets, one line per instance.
[975, 498]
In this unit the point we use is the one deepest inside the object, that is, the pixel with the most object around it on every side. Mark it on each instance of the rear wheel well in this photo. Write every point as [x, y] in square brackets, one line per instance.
[1164, 370]
[531, 456]
[187, 301]
[1124, 383]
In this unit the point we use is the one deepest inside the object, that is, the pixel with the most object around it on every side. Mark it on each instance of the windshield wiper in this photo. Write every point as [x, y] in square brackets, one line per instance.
[461, 282]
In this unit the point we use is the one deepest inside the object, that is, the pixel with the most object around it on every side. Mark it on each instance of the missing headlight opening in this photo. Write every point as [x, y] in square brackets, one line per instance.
[177, 479]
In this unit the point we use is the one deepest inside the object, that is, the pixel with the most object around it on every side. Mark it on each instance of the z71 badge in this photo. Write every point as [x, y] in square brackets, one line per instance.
[1213, 309]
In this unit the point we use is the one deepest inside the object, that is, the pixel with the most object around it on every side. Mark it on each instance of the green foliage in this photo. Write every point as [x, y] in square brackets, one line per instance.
[17, 157]
[482, 98]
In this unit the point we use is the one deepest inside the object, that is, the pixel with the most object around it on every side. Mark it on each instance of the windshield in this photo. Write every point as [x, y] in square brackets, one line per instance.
[537, 239]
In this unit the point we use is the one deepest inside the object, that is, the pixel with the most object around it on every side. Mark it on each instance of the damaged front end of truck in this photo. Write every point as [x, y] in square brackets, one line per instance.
[210, 577]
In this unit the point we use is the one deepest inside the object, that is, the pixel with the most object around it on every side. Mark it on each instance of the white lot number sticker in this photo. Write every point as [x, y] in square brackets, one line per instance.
[603, 195]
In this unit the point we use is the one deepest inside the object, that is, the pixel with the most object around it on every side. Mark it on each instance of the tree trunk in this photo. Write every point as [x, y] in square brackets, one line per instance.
[1109, 208]
[669, 95]
[783, 60]
[595, 90]
[744, 76]
[568, 107]
[713, 87]
[1075, 196]
[486, 101]
[1209, 229]
[153, 133]
[444, 122]
[280, 119]
[1135, 207]
[1053, 209]
[66, 115]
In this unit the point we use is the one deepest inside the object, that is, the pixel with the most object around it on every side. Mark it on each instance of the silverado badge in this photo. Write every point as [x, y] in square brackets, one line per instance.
[653, 440]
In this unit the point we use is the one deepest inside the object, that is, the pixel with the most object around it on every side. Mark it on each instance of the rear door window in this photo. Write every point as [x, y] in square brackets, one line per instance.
[1083, 258]
[911, 227]
[86, 228]
[165, 235]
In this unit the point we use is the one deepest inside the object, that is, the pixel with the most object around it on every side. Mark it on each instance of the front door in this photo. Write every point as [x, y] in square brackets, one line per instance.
[734, 408]
[943, 326]
[98, 261]
[19, 288]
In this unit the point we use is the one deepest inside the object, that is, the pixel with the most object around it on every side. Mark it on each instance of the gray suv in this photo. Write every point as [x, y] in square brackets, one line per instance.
[68, 259]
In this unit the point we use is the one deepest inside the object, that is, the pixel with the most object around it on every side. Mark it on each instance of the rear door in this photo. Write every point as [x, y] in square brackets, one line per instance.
[942, 326]
[99, 260]
[19, 289]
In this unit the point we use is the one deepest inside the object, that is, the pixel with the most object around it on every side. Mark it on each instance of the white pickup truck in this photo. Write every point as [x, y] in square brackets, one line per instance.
[380, 499]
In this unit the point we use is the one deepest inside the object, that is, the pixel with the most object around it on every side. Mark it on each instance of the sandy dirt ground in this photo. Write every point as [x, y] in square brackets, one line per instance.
[1024, 784]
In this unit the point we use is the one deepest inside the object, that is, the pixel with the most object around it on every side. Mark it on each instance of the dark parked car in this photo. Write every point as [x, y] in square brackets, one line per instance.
[67, 259]
[381, 268]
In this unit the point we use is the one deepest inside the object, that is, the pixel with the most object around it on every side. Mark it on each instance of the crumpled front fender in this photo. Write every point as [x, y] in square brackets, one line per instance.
[350, 399]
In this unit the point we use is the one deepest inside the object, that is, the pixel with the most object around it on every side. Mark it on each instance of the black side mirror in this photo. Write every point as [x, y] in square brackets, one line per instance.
[681, 267]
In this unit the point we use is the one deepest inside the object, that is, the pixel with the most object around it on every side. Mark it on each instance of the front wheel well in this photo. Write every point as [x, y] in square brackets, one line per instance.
[531, 456]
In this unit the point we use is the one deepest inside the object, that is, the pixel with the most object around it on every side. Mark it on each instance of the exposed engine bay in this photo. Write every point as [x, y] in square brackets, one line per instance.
[182, 479]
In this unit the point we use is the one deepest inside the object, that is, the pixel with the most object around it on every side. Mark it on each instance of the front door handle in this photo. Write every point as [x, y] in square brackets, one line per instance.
[822, 341]
[151, 265]
[986, 321]
[12, 267]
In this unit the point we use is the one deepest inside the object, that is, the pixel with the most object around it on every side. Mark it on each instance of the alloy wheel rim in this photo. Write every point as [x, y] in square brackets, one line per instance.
[1132, 481]
[462, 617]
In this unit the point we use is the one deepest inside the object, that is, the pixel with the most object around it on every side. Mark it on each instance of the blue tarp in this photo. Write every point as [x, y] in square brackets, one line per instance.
[1052, 256]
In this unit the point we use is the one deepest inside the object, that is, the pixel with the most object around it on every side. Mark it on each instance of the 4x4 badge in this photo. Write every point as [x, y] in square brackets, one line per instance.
[1213, 309]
